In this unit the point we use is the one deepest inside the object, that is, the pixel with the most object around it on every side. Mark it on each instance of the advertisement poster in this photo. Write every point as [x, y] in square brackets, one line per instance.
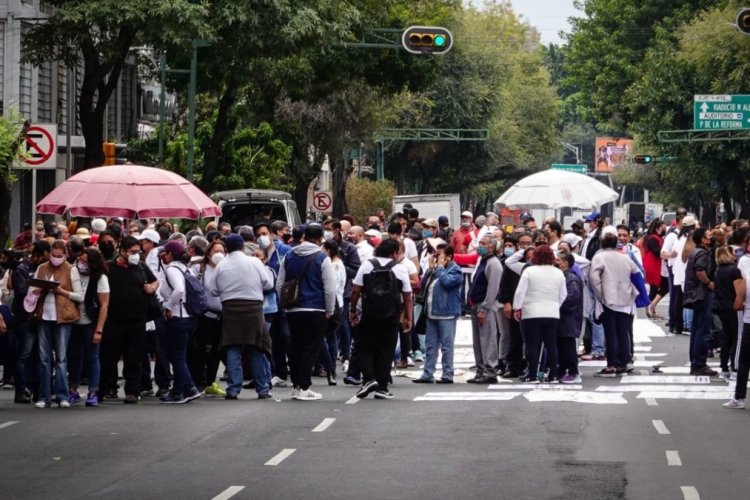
[610, 153]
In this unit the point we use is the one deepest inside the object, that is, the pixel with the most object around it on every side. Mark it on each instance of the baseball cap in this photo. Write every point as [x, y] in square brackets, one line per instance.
[374, 233]
[150, 235]
[234, 242]
[174, 247]
[430, 223]
[443, 220]
[468, 214]
[689, 221]
[592, 216]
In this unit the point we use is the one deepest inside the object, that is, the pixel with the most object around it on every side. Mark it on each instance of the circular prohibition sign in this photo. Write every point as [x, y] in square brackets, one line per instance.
[322, 201]
[38, 152]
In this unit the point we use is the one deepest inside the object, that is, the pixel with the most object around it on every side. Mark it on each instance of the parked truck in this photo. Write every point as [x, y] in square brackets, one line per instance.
[432, 206]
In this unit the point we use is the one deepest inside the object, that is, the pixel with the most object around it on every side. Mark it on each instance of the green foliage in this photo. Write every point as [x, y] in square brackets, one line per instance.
[364, 196]
[11, 138]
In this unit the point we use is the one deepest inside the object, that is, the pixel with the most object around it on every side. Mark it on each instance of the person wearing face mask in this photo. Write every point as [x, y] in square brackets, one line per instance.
[461, 238]
[107, 244]
[591, 244]
[58, 313]
[131, 282]
[514, 362]
[86, 334]
[485, 312]
[204, 362]
[27, 357]
[625, 246]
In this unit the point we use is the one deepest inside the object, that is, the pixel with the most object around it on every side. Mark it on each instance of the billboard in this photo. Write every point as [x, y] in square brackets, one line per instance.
[611, 152]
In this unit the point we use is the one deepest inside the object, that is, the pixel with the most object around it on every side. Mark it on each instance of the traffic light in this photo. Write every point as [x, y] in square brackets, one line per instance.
[110, 152]
[643, 159]
[427, 40]
[743, 21]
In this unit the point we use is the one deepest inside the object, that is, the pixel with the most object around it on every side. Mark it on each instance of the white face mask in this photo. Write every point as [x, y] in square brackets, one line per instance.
[328, 235]
[134, 259]
[264, 241]
[217, 257]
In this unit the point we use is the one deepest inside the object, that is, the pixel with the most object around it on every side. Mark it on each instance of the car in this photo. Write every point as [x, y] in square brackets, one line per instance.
[245, 207]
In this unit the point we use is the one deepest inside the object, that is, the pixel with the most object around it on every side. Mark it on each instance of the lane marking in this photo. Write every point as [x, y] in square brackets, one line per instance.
[353, 400]
[283, 455]
[682, 395]
[642, 348]
[468, 396]
[665, 379]
[663, 388]
[325, 424]
[660, 427]
[644, 373]
[537, 387]
[651, 402]
[8, 424]
[690, 493]
[228, 493]
[636, 364]
[673, 458]
[576, 397]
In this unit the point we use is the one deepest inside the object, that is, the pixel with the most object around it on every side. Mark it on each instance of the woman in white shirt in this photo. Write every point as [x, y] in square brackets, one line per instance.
[86, 334]
[180, 324]
[329, 353]
[536, 305]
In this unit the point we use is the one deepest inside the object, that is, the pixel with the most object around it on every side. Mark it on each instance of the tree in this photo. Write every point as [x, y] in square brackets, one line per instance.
[101, 34]
[12, 133]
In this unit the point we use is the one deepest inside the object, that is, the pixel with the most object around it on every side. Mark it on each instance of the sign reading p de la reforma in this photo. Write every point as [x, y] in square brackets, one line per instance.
[721, 112]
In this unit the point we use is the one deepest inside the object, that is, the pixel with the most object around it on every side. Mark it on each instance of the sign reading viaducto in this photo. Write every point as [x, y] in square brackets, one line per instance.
[721, 112]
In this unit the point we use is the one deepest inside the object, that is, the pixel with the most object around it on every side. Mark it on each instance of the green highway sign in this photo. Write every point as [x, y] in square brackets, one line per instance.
[580, 169]
[721, 112]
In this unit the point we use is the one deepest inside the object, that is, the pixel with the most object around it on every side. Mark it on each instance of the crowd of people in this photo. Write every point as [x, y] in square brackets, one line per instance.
[278, 305]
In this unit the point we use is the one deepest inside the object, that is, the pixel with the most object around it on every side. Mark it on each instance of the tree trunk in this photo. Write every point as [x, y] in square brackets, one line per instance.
[340, 173]
[221, 131]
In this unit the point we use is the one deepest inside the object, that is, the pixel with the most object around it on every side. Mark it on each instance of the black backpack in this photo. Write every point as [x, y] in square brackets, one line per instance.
[91, 301]
[381, 294]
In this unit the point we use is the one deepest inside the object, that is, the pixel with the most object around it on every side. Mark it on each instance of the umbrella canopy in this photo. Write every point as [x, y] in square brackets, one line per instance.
[129, 191]
[557, 189]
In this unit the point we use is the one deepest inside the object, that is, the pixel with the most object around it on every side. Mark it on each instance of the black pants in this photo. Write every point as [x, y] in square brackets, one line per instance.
[156, 345]
[743, 366]
[729, 329]
[406, 342]
[354, 370]
[124, 338]
[514, 362]
[675, 304]
[280, 345]
[203, 351]
[376, 346]
[306, 331]
[535, 332]
[568, 354]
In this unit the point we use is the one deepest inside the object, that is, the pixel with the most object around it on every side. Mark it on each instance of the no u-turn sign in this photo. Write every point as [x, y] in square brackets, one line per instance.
[40, 146]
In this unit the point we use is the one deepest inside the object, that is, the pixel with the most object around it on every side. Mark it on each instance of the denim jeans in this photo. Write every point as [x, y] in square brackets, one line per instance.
[28, 355]
[597, 339]
[53, 338]
[441, 334]
[616, 329]
[259, 365]
[179, 331]
[81, 348]
[345, 333]
[700, 333]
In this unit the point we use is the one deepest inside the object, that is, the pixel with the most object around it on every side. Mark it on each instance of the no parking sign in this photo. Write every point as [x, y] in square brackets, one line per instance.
[322, 201]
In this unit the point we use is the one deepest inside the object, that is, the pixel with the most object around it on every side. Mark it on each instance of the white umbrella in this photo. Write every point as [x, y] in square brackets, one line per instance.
[557, 189]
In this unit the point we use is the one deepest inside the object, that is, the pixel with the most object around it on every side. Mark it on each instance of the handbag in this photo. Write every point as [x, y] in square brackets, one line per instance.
[153, 307]
[334, 322]
[289, 293]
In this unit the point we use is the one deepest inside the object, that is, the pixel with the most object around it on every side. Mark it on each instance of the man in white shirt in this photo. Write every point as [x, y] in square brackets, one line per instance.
[669, 255]
[240, 281]
[364, 249]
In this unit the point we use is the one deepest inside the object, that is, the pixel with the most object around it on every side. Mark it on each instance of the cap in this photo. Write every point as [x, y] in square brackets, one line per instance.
[609, 230]
[313, 231]
[234, 242]
[374, 233]
[174, 247]
[98, 225]
[83, 233]
[443, 220]
[150, 235]
[592, 216]
[689, 221]
[467, 213]
[571, 239]
[430, 223]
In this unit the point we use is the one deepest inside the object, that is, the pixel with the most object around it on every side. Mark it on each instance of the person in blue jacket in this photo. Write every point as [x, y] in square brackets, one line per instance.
[571, 321]
[442, 286]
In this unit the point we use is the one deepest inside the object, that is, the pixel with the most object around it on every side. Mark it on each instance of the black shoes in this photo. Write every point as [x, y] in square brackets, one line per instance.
[423, 381]
[231, 397]
[444, 381]
[367, 388]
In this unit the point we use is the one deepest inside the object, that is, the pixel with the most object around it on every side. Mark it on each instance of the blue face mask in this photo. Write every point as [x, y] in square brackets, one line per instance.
[509, 251]
[483, 251]
[427, 233]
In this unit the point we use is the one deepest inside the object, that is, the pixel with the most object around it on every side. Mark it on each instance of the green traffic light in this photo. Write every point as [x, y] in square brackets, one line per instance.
[439, 40]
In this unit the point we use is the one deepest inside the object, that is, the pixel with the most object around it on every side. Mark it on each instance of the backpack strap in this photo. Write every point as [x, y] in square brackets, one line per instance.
[391, 265]
[375, 263]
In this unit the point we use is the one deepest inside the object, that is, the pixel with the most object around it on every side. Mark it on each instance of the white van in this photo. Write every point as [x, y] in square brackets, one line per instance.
[245, 207]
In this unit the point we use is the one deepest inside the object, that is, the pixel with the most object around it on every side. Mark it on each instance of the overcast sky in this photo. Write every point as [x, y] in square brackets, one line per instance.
[549, 17]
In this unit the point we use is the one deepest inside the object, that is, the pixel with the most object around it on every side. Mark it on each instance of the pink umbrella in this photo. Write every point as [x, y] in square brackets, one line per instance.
[129, 191]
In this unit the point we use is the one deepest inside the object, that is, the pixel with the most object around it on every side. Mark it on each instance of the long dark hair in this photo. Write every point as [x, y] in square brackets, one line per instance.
[654, 226]
[97, 266]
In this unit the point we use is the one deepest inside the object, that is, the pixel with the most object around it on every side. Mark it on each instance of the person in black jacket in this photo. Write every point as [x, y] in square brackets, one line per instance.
[571, 322]
[26, 337]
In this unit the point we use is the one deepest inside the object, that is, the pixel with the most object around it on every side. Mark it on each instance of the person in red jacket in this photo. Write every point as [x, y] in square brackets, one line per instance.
[461, 238]
[652, 263]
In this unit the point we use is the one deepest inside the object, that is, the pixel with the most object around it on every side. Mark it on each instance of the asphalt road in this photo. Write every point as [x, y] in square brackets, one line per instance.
[639, 437]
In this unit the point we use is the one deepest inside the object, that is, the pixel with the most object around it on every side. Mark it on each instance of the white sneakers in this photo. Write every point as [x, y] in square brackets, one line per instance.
[306, 395]
[278, 382]
[735, 404]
